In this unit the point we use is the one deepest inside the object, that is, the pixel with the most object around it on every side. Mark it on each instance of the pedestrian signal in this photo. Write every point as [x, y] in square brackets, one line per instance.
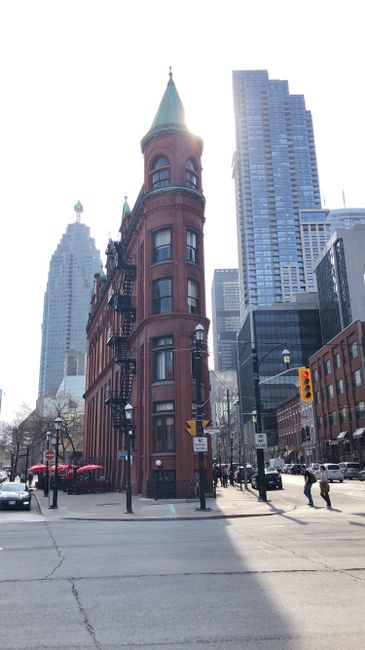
[190, 427]
[305, 385]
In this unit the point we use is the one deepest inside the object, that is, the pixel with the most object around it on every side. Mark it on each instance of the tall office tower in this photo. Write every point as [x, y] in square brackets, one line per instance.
[340, 280]
[225, 317]
[315, 232]
[275, 172]
[67, 302]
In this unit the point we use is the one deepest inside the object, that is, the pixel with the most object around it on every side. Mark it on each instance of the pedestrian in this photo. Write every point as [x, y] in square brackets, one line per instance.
[324, 486]
[225, 476]
[231, 476]
[30, 478]
[308, 485]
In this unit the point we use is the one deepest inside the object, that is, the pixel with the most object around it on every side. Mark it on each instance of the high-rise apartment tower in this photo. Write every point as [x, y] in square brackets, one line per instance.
[275, 172]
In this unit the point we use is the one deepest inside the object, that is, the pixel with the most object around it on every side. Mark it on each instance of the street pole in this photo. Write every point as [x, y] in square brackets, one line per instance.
[198, 336]
[242, 433]
[46, 479]
[230, 433]
[26, 465]
[258, 426]
[128, 409]
[57, 424]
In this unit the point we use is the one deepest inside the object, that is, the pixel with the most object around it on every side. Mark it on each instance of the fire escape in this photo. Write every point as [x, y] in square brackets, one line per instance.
[121, 302]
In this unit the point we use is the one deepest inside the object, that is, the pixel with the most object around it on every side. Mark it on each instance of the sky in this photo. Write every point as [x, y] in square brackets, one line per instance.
[80, 83]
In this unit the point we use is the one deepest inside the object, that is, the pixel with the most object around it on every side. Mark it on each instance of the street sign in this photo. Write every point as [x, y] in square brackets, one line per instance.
[211, 430]
[50, 454]
[261, 440]
[200, 444]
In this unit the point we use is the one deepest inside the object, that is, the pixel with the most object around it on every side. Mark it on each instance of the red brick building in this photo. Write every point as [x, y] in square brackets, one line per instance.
[339, 391]
[144, 313]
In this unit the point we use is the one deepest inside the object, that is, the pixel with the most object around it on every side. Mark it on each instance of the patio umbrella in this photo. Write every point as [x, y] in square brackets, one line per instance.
[37, 468]
[89, 468]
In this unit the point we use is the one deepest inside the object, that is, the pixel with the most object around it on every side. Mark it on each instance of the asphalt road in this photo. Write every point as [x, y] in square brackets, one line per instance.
[293, 581]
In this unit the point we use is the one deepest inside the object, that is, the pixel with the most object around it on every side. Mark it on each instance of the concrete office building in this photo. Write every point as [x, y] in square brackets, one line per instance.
[340, 281]
[225, 317]
[275, 173]
[67, 302]
[345, 218]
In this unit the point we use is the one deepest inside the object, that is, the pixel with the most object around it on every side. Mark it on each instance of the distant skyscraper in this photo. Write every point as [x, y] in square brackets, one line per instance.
[225, 317]
[340, 272]
[346, 218]
[67, 302]
[275, 172]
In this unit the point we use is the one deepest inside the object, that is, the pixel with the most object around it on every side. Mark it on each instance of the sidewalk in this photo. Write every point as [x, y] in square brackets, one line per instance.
[230, 502]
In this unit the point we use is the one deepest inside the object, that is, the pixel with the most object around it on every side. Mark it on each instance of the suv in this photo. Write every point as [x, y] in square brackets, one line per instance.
[350, 470]
[334, 472]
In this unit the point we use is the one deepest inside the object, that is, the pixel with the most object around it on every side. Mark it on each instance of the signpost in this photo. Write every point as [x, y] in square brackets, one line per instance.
[200, 443]
[261, 440]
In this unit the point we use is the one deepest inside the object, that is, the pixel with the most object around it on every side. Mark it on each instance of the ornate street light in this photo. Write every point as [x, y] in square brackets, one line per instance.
[57, 425]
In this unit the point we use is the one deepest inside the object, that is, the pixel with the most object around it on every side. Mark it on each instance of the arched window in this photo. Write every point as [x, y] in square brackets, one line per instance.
[160, 173]
[191, 176]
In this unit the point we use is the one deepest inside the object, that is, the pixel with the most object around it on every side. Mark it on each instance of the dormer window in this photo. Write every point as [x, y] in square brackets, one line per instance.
[160, 173]
[191, 176]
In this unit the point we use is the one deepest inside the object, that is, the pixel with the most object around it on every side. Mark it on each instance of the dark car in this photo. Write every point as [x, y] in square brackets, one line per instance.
[362, 474]
[15, 495]
[273, 479]
[296, 469]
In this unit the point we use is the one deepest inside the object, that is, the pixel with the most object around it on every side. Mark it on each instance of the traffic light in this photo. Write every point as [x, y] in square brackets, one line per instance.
[190, 427]
[305, 385]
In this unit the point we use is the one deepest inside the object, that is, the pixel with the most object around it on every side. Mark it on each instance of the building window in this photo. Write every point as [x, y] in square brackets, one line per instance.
[162, 355]
[163, 427]
[319, 422]
[356, 377]
[332, 418]
[162, 249]
[343, 415]
[337, 360]
[193, 297]
[360, 409]
[315, 375]
[162, 296]
[190, 173]
[327, 367]
[160, 173]
[191, 251]
[330, 392]
[340, 386]
[318, 397]
[354, 350]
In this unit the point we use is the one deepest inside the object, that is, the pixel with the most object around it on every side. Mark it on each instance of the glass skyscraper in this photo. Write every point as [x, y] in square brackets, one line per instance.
[275, 172]
[225, 317]
[67, 302]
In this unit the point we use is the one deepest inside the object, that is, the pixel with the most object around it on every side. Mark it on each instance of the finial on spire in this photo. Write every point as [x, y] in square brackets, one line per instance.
[78, 209]
[126, 197]
[170, 73]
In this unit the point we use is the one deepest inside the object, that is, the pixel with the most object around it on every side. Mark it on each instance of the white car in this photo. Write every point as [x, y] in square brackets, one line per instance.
[334, 472]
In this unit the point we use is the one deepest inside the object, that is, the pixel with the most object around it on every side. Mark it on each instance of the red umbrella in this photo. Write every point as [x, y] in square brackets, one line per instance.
[88, 468]
[37, 468]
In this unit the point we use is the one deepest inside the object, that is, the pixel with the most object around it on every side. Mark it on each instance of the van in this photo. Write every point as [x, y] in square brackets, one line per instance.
[334, 472]
[350, 470]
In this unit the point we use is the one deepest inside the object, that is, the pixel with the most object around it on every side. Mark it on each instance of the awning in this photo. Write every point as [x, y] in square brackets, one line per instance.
[358, 433]
[287, 453]
[342, 435]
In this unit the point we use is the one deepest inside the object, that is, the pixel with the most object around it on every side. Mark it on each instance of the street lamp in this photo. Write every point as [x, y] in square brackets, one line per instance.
[57, 426]
[46, 480]
[257, 414]
[158, 464]
[199, 333]
[128, 410]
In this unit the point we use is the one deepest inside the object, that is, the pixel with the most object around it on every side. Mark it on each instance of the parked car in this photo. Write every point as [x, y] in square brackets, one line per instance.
[350, 470]
[315, 469]
[272, 479]
[334, 472]
[286, 468]
[362, 474]
[15, 495]
[295, 469]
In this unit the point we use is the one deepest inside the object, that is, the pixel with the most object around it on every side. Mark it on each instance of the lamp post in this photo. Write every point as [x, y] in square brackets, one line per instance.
[257, 413]
[199, 333]
[128, 410]
[46, 479]
[158, 464]
[57, 426]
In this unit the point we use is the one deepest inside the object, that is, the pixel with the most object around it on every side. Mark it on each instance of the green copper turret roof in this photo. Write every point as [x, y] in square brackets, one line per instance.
[170, 116]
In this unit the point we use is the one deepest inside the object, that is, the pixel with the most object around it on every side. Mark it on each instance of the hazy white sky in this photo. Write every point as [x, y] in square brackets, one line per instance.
[80, 84]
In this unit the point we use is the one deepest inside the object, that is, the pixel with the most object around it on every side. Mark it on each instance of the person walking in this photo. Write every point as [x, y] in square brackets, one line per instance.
[308, 485]
[324, 486]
